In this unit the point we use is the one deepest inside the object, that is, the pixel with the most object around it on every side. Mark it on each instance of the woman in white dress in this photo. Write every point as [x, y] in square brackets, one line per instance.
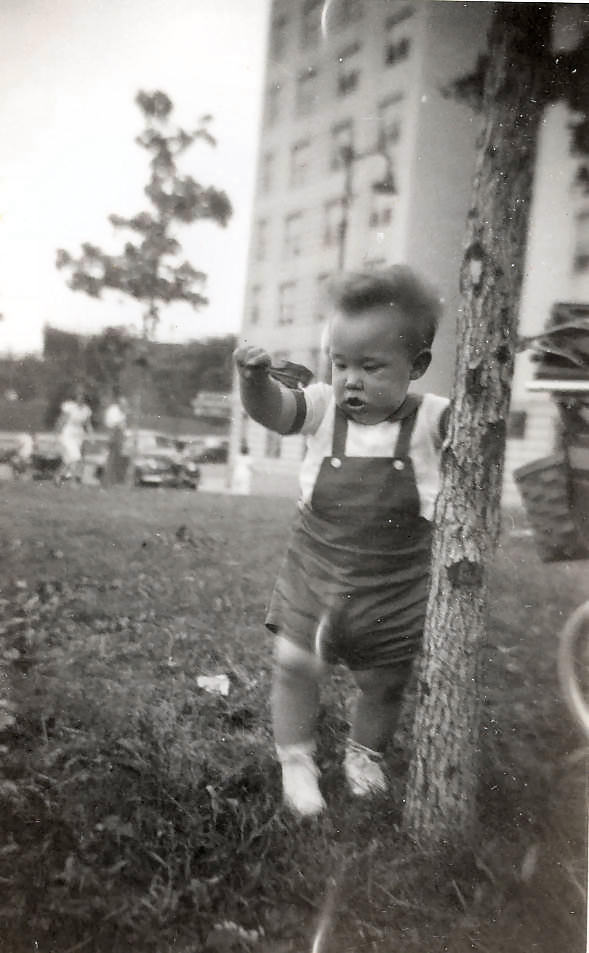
[74, 424]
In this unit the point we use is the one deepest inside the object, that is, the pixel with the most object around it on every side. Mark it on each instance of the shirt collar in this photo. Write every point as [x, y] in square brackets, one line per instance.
[407, 408]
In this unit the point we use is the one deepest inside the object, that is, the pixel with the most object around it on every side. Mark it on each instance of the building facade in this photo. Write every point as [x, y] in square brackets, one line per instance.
[363, 161]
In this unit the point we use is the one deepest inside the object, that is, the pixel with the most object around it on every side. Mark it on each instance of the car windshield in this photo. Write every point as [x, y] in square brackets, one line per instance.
[156, 444]
[164, 443]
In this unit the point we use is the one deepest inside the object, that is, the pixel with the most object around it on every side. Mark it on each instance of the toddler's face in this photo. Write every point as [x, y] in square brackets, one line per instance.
[372, 363]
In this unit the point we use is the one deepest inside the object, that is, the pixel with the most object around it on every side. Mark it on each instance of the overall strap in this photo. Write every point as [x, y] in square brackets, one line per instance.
[406, 430]
[340, 432]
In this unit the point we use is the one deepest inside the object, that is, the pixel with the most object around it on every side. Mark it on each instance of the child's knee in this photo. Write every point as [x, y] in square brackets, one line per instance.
[293, 659]
[383, 685]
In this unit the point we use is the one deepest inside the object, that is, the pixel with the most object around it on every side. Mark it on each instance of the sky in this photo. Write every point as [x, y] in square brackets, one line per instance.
[69, 74]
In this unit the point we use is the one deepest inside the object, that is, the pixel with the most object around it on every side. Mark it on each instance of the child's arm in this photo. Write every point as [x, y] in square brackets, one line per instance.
[265, 400]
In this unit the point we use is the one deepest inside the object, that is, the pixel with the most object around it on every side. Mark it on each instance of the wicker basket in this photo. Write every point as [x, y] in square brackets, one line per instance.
[545, 487]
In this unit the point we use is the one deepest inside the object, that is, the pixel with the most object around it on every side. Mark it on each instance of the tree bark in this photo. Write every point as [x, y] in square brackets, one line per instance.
[440, 804]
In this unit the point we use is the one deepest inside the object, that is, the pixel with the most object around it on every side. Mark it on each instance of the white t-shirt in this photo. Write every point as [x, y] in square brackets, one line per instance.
[373, 440]
[114, 416]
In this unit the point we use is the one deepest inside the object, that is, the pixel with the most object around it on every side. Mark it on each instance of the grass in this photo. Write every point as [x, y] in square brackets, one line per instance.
[142, 813]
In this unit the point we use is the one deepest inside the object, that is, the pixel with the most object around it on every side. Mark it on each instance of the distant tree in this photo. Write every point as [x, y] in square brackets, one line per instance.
[114, 358]
[23, 375]
[96, 362]
[514, 82]
[107, 357]
[181, 373]
[63, 347]
[150, 269]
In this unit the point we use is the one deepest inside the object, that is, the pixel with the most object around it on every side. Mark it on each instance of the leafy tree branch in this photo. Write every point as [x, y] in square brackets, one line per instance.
[150, 268]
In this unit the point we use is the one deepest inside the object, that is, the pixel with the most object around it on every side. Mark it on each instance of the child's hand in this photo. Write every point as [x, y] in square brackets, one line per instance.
[252, 362]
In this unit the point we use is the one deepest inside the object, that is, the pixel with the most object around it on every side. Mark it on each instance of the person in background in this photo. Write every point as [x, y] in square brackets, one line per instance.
[22, 457]
[241, 483]
[73, 425]
[115, 421]
[354, 583]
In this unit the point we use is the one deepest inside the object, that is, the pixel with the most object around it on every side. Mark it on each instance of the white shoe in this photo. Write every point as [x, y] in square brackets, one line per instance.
[300, 779]
[363, 771]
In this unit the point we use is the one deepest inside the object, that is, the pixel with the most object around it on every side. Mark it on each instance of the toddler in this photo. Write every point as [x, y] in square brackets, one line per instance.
[353, 585]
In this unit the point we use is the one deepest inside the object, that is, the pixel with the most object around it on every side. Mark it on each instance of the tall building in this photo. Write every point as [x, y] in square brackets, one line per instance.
[363, 161]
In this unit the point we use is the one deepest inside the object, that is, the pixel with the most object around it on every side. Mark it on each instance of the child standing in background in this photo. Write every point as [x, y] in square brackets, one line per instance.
[354, 583]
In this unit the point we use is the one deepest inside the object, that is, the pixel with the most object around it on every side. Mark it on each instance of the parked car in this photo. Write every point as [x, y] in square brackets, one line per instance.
[8, 446]
[211, 450]
[158, 462]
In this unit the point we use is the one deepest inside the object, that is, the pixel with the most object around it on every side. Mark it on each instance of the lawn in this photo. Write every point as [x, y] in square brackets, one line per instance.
[142, 812]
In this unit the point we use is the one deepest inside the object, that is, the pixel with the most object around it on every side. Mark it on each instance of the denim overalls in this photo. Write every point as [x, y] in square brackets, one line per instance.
[361, 552]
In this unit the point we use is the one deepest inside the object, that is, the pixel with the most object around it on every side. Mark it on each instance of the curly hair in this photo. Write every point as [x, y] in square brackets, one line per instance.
[398, 288]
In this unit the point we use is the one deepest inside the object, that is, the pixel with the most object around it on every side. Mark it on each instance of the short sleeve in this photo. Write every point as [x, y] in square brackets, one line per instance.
[436, 413]
[443, 423]
[300, 413]
[317, 400]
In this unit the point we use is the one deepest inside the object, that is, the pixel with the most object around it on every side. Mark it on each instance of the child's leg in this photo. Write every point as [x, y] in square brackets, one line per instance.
[378, 704]
[295, 702]
[295, 692]
[375, 717]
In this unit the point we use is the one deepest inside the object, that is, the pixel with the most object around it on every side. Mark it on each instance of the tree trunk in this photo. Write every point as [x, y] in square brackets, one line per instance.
[442, 784]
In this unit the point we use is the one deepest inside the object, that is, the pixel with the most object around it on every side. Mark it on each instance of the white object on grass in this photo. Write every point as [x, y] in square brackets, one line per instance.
[215, 684]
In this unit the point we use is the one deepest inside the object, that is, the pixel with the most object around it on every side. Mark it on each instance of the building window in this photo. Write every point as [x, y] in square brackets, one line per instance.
[399, 16]
[333, 213]
[267, 172]
[348, 75]
[261, 239]
[380, 218]
[396, 51]
[342, 137]
[299, 162]
[273, 448]
[286, 302]
[516, 424]
[306, 98]
[273, 103]
[389, 120]
[581, 259]
[320, 297]
[293, 227]
[581, 179]
[311, 23]
[278, 35]
[254, 308]
[346, 12]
